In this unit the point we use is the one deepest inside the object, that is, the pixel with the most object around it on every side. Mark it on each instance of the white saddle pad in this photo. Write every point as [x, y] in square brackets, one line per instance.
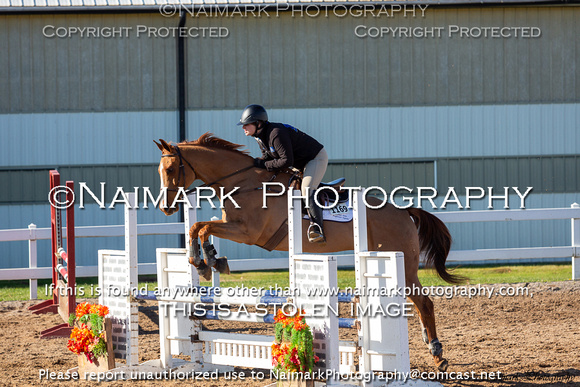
[340, 213]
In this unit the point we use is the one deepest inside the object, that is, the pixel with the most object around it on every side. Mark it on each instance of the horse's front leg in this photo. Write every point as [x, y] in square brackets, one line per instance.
[203, 230]
[220, 229]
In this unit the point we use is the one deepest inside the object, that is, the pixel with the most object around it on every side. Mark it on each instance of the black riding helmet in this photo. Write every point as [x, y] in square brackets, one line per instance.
[253, 113]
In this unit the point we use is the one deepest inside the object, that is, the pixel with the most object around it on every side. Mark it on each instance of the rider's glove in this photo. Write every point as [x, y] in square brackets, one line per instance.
[259, 163]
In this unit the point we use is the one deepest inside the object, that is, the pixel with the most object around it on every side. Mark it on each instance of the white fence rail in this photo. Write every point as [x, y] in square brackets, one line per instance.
[572, 251]
[33, 234]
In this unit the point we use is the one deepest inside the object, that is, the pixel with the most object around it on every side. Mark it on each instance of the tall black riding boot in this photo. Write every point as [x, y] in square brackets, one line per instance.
[315, 230]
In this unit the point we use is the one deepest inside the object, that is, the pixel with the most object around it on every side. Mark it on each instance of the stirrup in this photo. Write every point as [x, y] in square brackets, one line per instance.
[315, 234]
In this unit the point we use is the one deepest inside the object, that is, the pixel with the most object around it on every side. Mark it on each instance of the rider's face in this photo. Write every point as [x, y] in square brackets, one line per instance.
[249, 129]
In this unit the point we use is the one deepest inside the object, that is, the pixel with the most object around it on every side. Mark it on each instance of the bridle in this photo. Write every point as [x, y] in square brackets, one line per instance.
[181, 166]
[182, 172]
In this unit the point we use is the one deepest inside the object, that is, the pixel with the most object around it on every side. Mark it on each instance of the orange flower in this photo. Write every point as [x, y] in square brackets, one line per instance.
[82, 309]
[279, 317]
[100, 310]
[300, 325]
[282, 318]
[80, 339]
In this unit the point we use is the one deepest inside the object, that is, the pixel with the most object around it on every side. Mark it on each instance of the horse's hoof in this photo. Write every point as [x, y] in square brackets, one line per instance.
[441, 363]
[204, 271]
[192, 261]
[222, 265]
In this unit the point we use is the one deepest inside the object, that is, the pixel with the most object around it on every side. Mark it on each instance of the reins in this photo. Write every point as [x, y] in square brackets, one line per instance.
[220, 179]
[182, 171]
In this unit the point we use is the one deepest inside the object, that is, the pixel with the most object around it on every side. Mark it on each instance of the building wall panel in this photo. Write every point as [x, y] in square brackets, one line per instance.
[290, 61]
[418, 132]
[348, 134]
[50, 140]
[85, 74]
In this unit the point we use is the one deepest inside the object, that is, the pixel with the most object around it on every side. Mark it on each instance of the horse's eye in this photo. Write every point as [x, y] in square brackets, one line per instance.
[170, 170]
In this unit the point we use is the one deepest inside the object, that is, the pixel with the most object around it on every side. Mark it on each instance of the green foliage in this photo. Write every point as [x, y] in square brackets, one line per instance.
[292, 349]
[279, 333]
[96, 322]
[100, 349]
[302, 340]
[71, 319]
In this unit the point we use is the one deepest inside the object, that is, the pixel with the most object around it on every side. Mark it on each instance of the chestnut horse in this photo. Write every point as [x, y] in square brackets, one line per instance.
[219, 163]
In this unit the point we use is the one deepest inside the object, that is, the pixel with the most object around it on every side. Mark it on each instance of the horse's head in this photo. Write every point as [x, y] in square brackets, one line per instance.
[174, 172]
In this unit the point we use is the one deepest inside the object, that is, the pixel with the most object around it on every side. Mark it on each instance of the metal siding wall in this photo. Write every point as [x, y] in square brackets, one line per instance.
[85, 74]
[84, 138]
[383, 174]
[21, 186]
[290, 61]
[486, 235]
[548, 174]
[61, 140]
[301, 62]
[417, 132]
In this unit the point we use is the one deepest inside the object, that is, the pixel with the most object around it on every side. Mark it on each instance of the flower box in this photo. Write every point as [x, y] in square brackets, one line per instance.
[101, 363]
[292, 353]
[90, 338]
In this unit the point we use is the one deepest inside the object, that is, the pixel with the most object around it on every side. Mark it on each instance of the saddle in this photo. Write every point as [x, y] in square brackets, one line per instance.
[328, 195]
[324, 196]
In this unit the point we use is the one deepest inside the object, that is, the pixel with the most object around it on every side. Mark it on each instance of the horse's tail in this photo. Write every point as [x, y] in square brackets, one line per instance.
[435, 240]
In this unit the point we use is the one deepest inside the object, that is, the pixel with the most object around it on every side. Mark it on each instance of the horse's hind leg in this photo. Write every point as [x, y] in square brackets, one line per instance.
[424, 307]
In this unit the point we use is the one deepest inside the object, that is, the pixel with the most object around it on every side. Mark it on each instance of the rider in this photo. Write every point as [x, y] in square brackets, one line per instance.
[284, 146]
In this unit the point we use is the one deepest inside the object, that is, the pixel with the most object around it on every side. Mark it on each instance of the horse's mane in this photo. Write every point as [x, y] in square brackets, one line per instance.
[209, 140]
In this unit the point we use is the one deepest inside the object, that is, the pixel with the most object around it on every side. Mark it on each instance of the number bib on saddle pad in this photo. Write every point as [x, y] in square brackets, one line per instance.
[340, 213]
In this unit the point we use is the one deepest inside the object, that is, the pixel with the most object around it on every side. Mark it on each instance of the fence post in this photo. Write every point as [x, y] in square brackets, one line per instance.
[132, 257]
[131, 236]
[32, 260]
[576, 246]
[295, 234]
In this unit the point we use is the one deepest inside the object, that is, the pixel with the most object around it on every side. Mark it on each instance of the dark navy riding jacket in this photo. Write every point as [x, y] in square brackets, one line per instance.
[284, 146]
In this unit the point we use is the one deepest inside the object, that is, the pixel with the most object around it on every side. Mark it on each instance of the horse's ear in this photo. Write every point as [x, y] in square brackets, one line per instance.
[158, 145]
[166, 146]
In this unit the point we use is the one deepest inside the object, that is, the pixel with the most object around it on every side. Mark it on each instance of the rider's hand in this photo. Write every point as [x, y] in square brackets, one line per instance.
[259, 163]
